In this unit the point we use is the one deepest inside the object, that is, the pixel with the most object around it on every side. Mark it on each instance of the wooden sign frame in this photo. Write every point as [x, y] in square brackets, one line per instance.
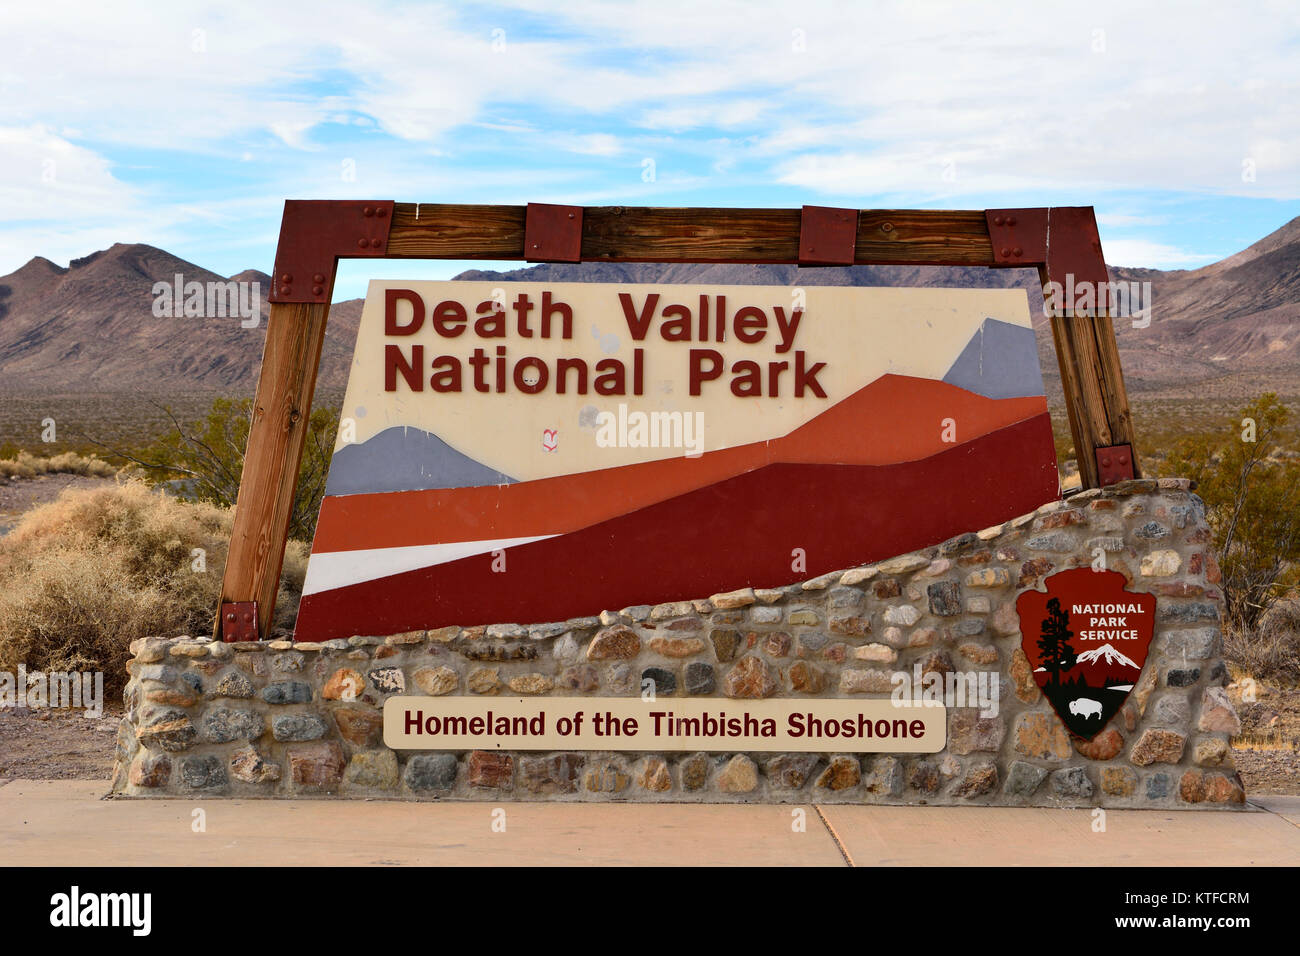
[1062, 242]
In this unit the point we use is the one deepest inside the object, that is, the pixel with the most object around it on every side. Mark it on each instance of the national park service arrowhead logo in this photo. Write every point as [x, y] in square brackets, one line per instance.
[1086, 639]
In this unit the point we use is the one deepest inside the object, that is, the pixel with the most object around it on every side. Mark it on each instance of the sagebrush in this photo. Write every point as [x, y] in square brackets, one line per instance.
[27, 465]
[85, 575]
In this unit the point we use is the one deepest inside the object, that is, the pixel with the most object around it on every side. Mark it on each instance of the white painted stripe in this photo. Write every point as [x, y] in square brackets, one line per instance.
[336, 569]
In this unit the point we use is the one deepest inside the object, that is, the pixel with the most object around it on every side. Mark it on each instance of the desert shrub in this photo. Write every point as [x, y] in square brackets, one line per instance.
[1271, 652]
[85, 575]
[26, 465]
[1251, 490]
[203, 461]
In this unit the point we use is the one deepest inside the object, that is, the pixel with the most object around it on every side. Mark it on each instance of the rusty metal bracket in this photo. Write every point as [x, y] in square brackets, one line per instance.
[1075, 262]
[1062, 239]
[314, 233]
[552, 233]
[238, 621]
[827, 236]
[1114, 463]
[1019, 236]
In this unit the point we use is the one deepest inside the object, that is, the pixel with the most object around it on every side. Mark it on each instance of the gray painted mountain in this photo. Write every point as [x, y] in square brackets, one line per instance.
[406, 459]
[1000, 361]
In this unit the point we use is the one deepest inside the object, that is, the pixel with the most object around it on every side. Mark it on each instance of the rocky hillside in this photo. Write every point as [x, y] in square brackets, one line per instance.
[92, 327]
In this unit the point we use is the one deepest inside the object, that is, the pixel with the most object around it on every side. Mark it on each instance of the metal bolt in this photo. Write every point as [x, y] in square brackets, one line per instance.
[363, 242]
[381, 212]
[318, 278]
[1011, 220]
[317, 290]
[368, 211]
[286, 278]
[997, 220]
[284, 290]
[1005, 252]
[1016, 251]
[375, 243]
[1105, 462]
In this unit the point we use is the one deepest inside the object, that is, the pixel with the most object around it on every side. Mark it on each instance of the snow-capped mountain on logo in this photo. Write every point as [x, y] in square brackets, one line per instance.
[1107, 656]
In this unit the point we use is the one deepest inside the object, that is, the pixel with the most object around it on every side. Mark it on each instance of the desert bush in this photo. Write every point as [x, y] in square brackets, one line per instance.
[1272, 651]
[85, 575]
[1251, 490]
[203, 461]
[26, 465]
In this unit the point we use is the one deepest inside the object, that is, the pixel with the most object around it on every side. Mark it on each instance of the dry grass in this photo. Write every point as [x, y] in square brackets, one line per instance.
[1272, 652]
[27, 465]
[83, 576]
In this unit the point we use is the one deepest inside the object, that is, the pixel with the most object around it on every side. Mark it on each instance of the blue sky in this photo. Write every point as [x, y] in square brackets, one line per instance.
[186, 125]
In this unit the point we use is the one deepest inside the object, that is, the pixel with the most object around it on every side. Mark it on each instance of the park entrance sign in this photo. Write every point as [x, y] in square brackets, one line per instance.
[798, 544]
[1061, 243]
[536, 451]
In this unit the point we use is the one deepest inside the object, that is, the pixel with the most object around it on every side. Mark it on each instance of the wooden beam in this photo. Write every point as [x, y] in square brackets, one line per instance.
[645, 234]
[1095, 395]
[1076, 410]
[1113, 389]
[295, 333]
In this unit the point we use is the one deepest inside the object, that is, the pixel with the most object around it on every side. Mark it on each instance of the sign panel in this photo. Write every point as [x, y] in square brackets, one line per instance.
[1086, 639]
[623, 723]
[532, 452]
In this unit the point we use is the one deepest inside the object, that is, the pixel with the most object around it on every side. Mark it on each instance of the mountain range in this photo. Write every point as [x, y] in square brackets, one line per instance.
[90, 327]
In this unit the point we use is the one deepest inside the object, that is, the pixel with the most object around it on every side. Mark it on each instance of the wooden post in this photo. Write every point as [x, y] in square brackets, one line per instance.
[295, 333]
[1091, 378]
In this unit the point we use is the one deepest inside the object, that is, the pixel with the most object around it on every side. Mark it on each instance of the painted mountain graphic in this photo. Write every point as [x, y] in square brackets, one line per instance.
[865, 480]
[1100, 667]
[1106, 656]
[892, 420]
[411, 459]
[1000, 361]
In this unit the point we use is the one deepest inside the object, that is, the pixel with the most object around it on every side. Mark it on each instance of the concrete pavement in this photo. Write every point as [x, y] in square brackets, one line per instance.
[67, 823]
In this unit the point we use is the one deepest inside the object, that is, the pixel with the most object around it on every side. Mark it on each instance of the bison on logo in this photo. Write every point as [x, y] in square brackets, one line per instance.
[1086, 639]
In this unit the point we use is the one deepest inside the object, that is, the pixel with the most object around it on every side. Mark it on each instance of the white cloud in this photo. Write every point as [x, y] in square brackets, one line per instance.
[1153, 255]
[590, 144]
[43, 176]
[914, 102]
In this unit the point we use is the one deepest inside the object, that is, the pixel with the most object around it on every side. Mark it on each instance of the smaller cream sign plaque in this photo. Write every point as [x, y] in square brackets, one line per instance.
[603, 723]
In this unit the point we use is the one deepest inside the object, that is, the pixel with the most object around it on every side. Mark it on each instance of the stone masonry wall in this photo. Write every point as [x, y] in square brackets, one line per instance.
[284, 719]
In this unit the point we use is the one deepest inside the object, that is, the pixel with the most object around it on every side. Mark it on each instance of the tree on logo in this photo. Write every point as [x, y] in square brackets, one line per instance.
[1055, 652]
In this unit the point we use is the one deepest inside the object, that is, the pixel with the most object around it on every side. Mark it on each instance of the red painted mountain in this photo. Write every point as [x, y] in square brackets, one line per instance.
[743, 530]
[894, 419]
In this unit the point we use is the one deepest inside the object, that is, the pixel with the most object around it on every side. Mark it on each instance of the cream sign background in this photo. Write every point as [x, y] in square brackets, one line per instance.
[860, 334]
